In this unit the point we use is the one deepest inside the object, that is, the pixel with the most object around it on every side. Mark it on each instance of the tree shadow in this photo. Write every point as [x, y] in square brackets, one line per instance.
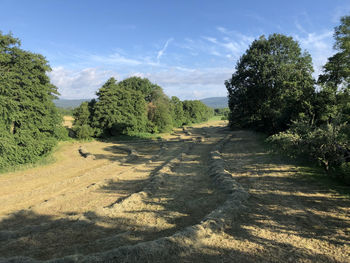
[282, 205]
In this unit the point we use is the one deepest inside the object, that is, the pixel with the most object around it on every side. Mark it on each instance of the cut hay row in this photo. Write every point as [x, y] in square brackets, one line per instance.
[156, 179]
[12, 234]
[185, 240]
[224, 180]
[157, 249]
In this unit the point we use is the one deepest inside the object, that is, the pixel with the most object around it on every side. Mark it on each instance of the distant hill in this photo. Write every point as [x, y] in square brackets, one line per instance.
[216, 102]
[62, 103]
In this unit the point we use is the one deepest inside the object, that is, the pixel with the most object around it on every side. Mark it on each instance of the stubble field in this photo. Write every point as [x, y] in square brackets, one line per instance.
[166, 201]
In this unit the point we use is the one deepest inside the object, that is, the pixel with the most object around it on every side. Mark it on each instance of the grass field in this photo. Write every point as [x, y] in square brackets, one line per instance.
[153, 205]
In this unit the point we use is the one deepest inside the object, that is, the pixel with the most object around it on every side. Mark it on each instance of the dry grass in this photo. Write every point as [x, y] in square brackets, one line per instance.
[149, 206]
[68, 121]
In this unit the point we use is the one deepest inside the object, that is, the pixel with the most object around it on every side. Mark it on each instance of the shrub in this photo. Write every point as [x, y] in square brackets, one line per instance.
[83, 132]
[326, 144]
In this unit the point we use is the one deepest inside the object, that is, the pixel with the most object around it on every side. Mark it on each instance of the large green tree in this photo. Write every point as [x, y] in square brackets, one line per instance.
[119, 109]
[29, 123]
[196, 111]
[333, 100]
[272, 85]
[177, 111]
[325, 137]
[150, 91]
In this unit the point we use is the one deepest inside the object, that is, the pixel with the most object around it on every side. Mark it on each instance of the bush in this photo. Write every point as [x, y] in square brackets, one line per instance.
[327, 144]
[83, 132]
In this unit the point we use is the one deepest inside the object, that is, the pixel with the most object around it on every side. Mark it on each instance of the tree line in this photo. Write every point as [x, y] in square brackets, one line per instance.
[132, 106]
[272, 90]
[31, 125]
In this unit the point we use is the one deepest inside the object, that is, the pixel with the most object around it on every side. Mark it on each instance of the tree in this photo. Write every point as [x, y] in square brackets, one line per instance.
[158, 111]
[334, 97]
[196, 111]
[177, 111]
[30, 123]
[325, 137]
[272, 85]
[159, 115]
[82, 119]
[119, 109]
[150, 91]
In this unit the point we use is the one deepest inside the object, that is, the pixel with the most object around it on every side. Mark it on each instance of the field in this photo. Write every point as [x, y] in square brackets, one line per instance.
[203, 194]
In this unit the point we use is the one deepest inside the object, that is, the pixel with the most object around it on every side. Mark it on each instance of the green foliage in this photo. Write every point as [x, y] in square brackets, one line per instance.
[159, 116]
[195, 111]
[30, 123]
[81, 115]
[325, 144]
[224, 112]
[177, 112]
[81, 124]
[119, 109]
[66, 111]
[325, 136]
[134, 106]
[150, 91]
[271, 86]
[221, 111]
[83, 132]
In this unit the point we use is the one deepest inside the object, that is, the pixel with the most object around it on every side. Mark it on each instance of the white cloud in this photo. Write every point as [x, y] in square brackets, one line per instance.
[211, 39]
[161, 52]
[185, 83]
[115, 58]
[320, 47]
[191, 83]
[79, 84]
[339, 12]
[222, 30]
[178, 75]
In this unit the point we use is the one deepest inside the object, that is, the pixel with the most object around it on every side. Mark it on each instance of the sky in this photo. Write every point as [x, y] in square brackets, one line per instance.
[189, 48]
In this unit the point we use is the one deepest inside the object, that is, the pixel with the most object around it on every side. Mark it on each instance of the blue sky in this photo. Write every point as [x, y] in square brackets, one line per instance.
[188, 47]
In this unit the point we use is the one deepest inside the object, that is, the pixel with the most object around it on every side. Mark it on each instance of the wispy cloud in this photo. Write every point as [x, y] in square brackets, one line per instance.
[188, 83]
[319, 45]
[179, 74]
[340, 11]
[211, 39]
[115, 58]
[161, 52]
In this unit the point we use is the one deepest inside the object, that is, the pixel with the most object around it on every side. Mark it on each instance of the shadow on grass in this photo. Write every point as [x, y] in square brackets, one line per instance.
[280, 205]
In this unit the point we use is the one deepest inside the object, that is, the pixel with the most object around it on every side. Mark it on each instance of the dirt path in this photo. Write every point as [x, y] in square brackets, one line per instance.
[80, 206]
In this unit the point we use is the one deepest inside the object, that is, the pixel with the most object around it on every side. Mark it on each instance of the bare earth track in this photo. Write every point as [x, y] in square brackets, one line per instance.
[167, 202]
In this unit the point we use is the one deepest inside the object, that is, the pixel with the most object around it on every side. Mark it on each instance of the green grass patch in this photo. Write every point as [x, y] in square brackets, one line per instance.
[134, 137]
[44, 160]
[216, 118]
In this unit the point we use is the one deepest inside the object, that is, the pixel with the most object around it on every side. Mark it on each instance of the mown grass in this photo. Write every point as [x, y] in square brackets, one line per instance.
[309, 171]
[216, 118]
[134, 136]
[316, 174]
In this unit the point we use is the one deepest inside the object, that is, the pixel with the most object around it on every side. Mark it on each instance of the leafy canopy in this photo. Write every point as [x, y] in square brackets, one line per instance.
[30, 123]
[271, 86]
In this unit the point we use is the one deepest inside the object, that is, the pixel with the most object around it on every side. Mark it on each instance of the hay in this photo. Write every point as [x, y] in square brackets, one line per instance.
[184, 241]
